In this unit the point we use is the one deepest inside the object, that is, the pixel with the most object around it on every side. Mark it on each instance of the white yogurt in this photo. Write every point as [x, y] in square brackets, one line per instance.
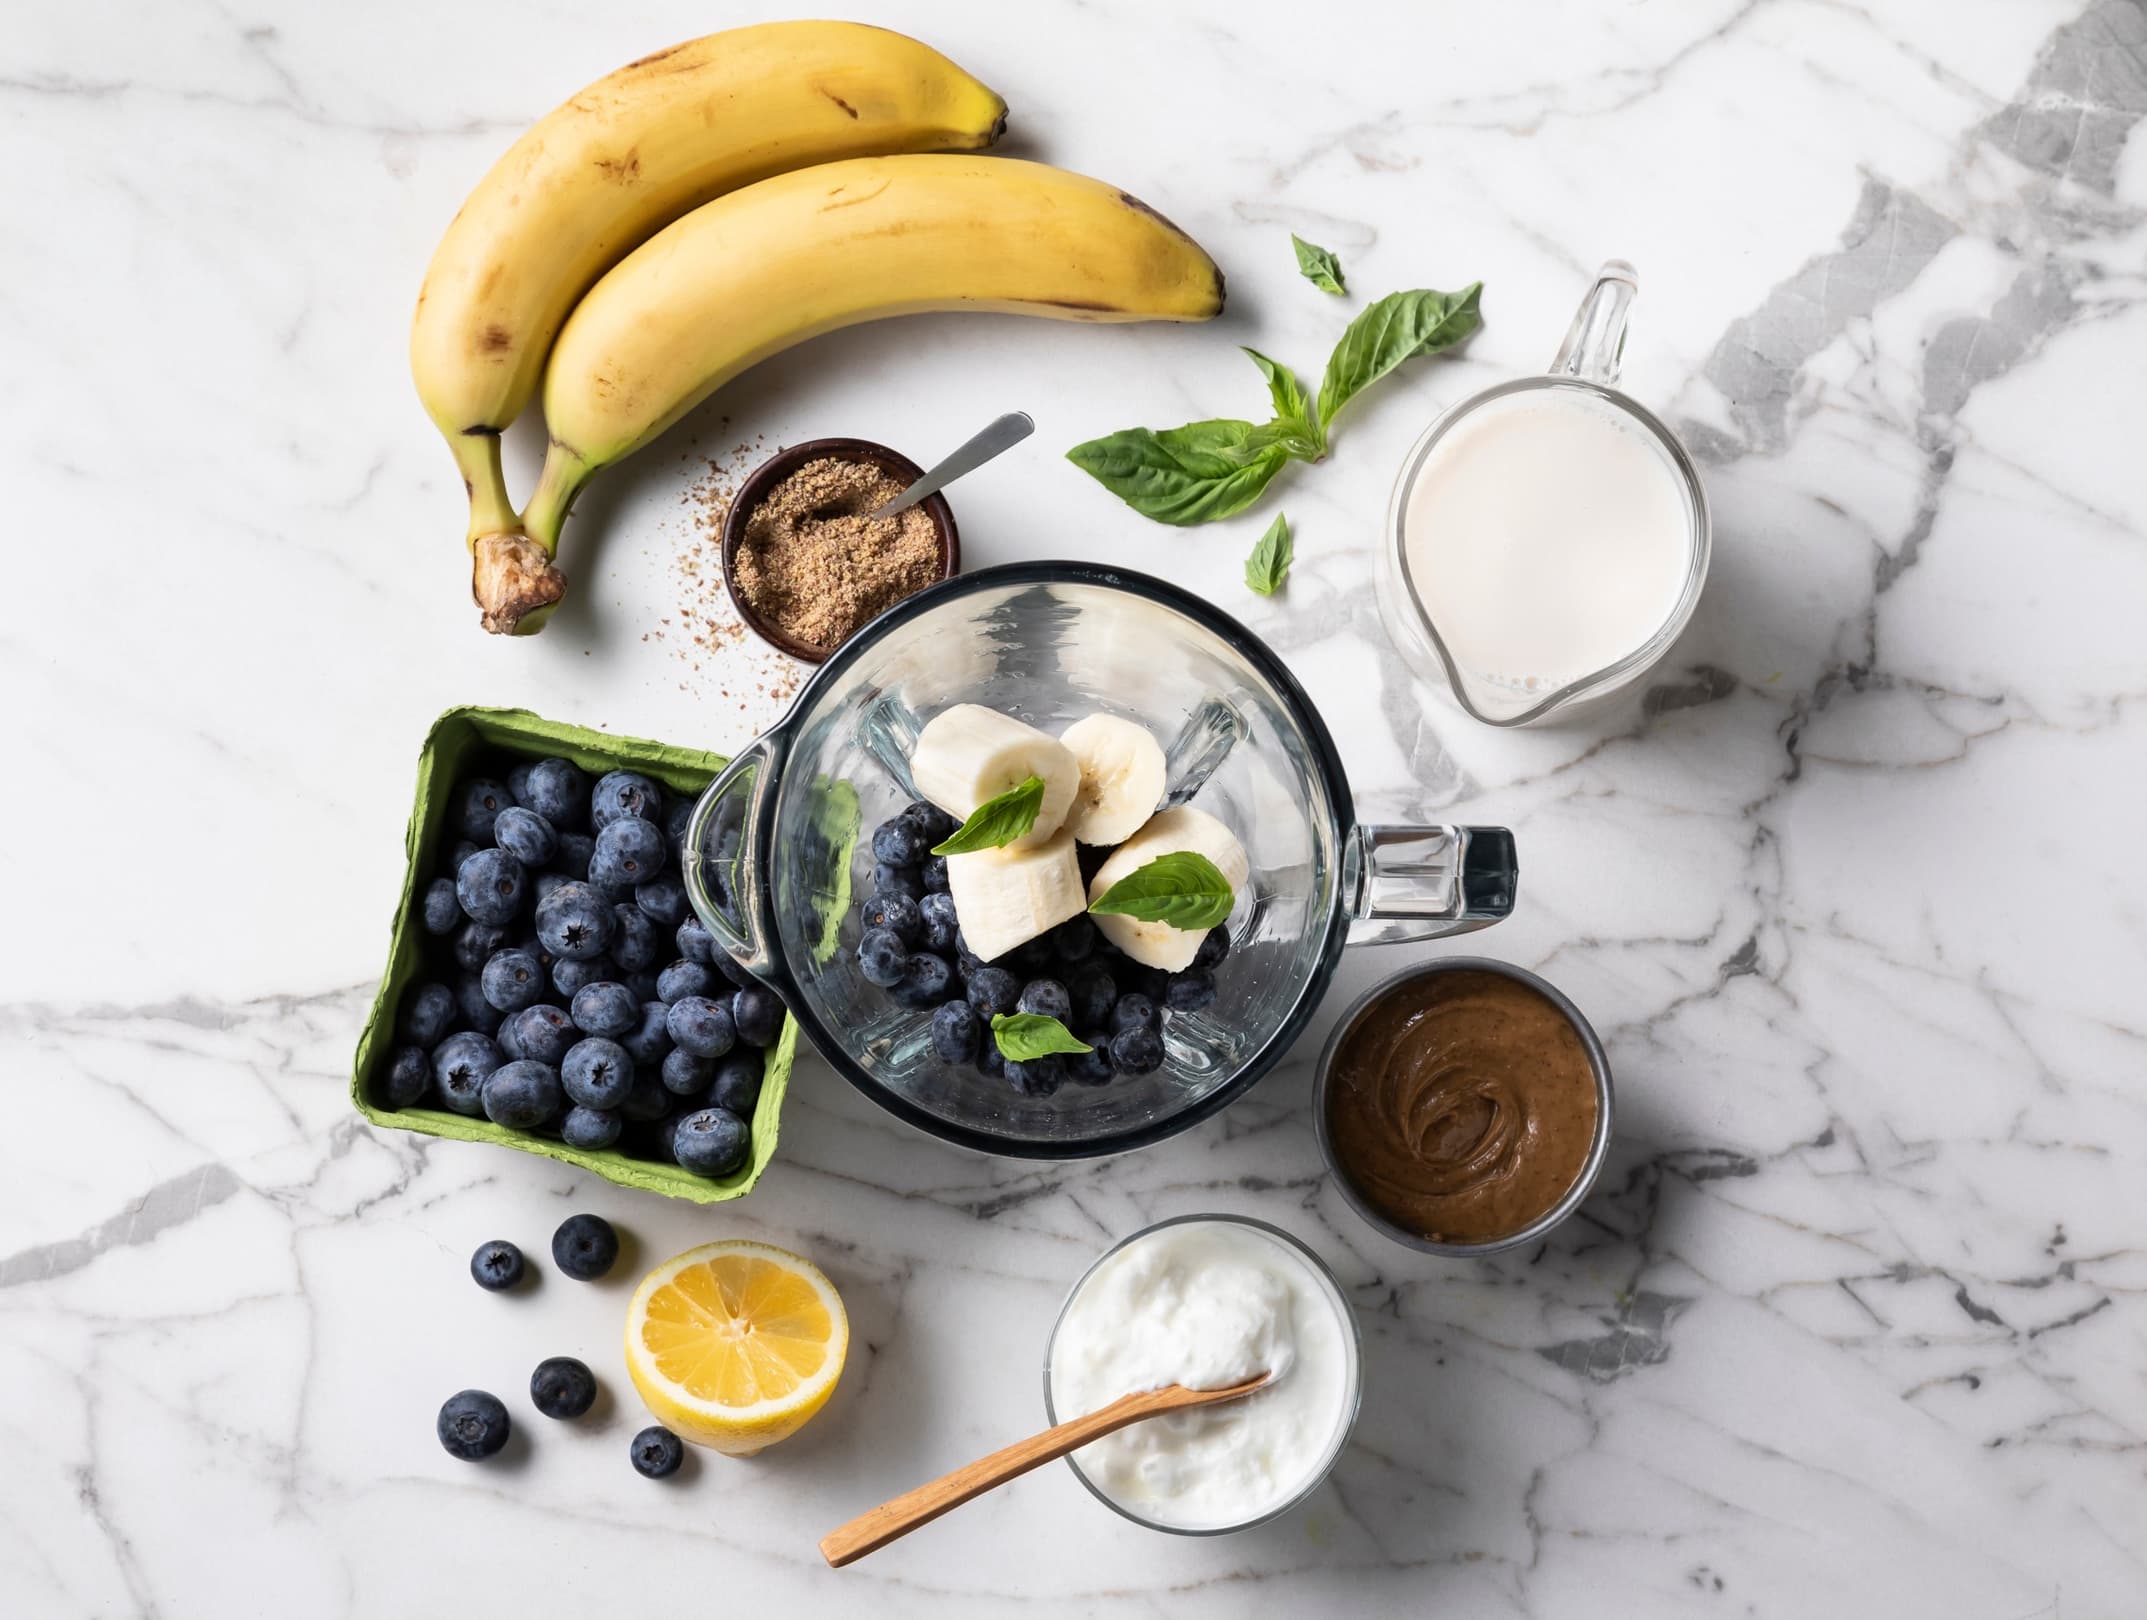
[1205, 1304]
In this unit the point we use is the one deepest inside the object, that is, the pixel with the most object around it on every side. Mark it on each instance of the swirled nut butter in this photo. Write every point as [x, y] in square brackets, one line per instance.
[1461, 1106]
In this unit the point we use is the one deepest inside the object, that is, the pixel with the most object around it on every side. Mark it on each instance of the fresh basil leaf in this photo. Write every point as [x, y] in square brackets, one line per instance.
[1186, 475]
[1269, 564]
[1183, 888]
[1293, 409]
[1399, 327]
[1317, 265]
[997, 821]
[1022, 1036]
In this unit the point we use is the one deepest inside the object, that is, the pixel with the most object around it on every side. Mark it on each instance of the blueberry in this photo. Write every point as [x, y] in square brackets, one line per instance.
[542, 1032]
[475, 943]
[461, 1065]
[442, 912]
[649, 1039]
[507, 1040]
[472, 1425]
[575, 923]
[525, 835]
[584, 1247]
[462, 851]
[993, 990]
[405, 1078]
[683, 979]
[562, 1387]
[757, 1015]
[932, 872]
[737, 1084]
[924, 983]
[1135, 1012]
[1031, 956]
[629, 851]
[635, 943]
[902, 880]
[480, 805]
[712, 1142]
[625, 795]
[933, 823]
[545, 882]
[492, 886]
[1189, 991]
[513, 980]
[940, 923]
[590, 1128]
[880, 956]
[648, 1100]
[1074, 940]
[695, 942]
[518, 782]
[573, 857]
[1137, 1051]
[657, 1452]
[597, 1072]
[1093, 1067]
[1047, 998]
[642, 981]
[1035, 1077]
[523, 1095]
[606, 1008]
[496, 1265]
[899, 843]
[428, 1013]
[664, 899]
[991, 1062]
[727, 965]
[471, 1006]
[569, 978]
[703, 1027]
[1212, 950]
[676, 820]
[557, 791]
[898, 914]
[1094, 994]
[956, 1029]
[687, 1074]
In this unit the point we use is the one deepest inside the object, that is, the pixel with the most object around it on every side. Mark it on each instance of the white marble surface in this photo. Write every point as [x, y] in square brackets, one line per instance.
[1855, 1324]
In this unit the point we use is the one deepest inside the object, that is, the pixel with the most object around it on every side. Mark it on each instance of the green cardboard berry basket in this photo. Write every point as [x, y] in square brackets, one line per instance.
[455, 737]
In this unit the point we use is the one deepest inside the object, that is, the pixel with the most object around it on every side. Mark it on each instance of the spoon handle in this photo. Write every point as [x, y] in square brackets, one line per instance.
[869, 1532]
[1001, 435]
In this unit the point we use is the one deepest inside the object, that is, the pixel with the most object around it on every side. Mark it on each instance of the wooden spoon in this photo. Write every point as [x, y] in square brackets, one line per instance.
[869, 1532]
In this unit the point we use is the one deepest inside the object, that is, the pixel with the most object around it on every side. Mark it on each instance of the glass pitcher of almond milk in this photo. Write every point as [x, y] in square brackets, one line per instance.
[1547, 538]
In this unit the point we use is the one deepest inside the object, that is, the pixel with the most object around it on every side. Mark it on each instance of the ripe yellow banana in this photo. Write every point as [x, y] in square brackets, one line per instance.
[752, 273]
[624, 158]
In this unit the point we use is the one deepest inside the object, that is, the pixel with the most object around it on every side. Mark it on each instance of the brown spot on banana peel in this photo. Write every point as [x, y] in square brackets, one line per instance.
[495, 339]
[624, 170]
[844, 105]
[511, 579]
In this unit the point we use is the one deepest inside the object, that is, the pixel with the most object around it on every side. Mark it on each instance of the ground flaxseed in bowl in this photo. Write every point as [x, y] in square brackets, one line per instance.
[811, 566]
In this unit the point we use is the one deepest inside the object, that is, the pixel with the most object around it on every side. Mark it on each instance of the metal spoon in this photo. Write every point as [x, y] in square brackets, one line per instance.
[1003, 434]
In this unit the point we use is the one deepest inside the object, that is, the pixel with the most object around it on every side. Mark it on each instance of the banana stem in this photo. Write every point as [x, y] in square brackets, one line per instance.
[477, 454]
[557, 485]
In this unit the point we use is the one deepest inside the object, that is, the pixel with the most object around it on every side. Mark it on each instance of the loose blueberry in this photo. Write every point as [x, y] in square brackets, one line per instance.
[1032, 957]
[712, 1142]
[924, 983]
[404, 1080]
[584, 1247]
[933, 823]
[664, 899]
[729, 967]
[899, 843]
[562, 1387]
[695, 942]
[991, 1062]
[590, 1128]
[492, 886]
[545, 882]
[476, 943]
[542, 1032]
[442, 912]
[482, 801]
[1189, 991]
[932, 872]
[629, 851]
[606, 1008]
[687, 1074]
[703, 1027]
[472, 1008]
[757, 1014]
[1094, 993]
[461, 1065]
[575, 923]
[635, 942]
[993, 990]
[642, 981]
[737, 1083]
[898, 914]
[1074, 940]
[1035, 1077]
[523, 1095]
[597, 1073]
[940, 925]
[1047, 998]
[676, 820]
[649, 1039]
[902, 880]
[657, 1452]
[683, 979]
[462, 851]
[648, 1100]
[570, 978]
[625, 795]
[513, 980]
[496, 1265]
[472, 1425]
[1135, 1012]
[1137, 1051]
[1093, 1067]
[525, 835]
[956, 1029]
[880, 955]
[518, 782]
[558, 791]
[428, 1013]
[1212, 950]
[573, 857]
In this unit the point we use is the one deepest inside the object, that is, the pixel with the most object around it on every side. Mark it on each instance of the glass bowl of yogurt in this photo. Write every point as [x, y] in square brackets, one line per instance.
[1206, 1301]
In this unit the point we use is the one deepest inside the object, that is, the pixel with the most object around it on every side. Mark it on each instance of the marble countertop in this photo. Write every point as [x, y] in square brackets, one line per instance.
[1855, 1323]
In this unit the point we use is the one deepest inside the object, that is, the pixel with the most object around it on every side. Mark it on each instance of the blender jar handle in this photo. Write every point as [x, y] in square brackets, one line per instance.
[1404, 883]
[1595, 342]
[725, 865]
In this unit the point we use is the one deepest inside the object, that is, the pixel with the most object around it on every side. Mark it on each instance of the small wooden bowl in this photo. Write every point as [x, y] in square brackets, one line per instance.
[780, 466]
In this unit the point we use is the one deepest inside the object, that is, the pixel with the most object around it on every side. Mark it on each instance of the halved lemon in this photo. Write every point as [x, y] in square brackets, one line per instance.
[736, 1345]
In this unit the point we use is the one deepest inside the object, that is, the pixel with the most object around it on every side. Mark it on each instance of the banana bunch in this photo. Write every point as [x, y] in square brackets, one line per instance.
[706, 207]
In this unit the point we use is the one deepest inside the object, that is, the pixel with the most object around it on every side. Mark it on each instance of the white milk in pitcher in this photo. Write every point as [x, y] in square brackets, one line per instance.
[1548, 535]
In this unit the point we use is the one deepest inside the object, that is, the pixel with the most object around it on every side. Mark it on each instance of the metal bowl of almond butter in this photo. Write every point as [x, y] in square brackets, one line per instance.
[808, 565]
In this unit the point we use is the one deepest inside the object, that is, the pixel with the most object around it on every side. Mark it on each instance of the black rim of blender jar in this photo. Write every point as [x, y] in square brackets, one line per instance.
[1262, 658]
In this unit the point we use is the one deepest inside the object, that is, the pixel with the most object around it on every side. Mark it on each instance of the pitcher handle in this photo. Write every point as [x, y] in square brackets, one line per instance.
[724, 863]
[1402, 883]
[1595, 342]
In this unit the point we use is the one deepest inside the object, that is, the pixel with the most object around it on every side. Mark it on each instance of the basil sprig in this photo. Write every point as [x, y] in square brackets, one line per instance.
[1399, 327]
[1317, 265]
[1184, 889]
[997, 821]
[1023, 1036]
[1269, 564]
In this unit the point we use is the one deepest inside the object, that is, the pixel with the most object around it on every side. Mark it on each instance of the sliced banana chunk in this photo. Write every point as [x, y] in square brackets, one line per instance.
[1121, 777]
[1006, 897]
[1158, 945]
[970, 754]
